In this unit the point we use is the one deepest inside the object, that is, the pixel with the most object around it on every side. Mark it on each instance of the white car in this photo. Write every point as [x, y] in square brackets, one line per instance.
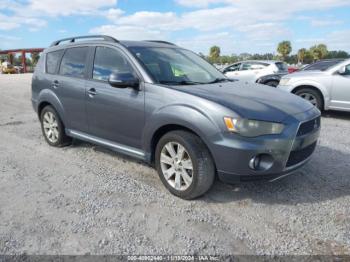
[252, 70]
[327, 88]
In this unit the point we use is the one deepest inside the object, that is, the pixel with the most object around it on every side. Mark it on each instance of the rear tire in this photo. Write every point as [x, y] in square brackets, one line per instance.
[184, 164]
[312, 96]
[53, 128]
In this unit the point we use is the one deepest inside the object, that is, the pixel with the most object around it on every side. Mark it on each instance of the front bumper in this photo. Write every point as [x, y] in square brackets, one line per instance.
[289, 151]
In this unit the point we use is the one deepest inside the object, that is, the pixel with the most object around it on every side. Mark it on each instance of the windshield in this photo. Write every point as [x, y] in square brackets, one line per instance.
[322, 65]
[176, 66]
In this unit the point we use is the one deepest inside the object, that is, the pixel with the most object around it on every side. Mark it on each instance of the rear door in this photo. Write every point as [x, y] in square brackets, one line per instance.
[114, 114]
[250, 71]
[341, 90]
[70, 87]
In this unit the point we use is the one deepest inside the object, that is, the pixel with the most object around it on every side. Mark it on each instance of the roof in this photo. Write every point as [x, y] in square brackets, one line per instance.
[103, 39]
[263, 61]
[147, 43]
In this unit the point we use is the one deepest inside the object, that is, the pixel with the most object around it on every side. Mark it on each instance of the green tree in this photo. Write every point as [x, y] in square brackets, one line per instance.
[337, 54]
[35, 58]
[319, 51]
[284, 48]
[214, 54]
[301, 55]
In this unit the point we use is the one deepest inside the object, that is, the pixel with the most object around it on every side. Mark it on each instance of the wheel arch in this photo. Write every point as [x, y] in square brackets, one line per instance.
[318, 90]
[162, 130]
[47, 97]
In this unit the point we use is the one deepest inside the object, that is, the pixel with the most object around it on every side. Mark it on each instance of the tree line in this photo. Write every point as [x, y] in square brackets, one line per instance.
[284, 50]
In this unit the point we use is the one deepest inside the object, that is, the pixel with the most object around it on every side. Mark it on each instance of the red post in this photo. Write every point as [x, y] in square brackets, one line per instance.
[24, 61]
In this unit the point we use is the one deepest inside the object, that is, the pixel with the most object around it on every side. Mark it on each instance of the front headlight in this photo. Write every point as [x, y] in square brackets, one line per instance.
[252, 128]
[284, 81]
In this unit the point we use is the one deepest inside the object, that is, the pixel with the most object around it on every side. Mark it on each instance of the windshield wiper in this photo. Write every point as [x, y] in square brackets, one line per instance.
[183, 82]
[220, 80]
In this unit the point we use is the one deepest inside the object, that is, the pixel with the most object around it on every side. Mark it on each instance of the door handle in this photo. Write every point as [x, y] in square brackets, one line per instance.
[92, 92]
[55, 84]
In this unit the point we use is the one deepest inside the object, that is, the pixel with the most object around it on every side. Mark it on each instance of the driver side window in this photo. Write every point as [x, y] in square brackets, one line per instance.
[233, 68]
[347, 70]
[108, 61]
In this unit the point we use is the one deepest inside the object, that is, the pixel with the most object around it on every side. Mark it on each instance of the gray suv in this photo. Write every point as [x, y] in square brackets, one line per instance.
[163, 104]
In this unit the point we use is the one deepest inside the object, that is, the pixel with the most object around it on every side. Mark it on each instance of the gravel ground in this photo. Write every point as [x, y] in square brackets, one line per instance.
[85, 199]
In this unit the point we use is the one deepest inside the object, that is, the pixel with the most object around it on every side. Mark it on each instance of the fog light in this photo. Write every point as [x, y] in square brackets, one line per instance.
[261, 162]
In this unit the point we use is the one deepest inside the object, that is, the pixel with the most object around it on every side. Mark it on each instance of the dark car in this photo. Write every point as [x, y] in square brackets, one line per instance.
[271, 80]
[165, 105]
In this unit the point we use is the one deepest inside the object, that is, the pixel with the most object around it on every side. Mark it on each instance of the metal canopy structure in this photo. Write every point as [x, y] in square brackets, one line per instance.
[23, 53]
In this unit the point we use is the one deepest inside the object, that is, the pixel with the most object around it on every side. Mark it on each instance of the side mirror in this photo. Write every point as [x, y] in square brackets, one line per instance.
[123, 80]
[342, 70]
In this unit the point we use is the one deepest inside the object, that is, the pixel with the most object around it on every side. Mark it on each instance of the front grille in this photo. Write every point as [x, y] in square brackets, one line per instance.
[309, 126]
[298, 156]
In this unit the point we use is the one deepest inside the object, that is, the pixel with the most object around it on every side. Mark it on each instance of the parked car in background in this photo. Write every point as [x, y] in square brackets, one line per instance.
[165, 105]
[7, 68]
[270, 80]
[292, 69]
[252, 70]
[326, 84]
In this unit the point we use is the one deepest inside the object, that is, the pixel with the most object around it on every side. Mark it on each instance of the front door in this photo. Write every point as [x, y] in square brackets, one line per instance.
[341, 90]
[114, 114]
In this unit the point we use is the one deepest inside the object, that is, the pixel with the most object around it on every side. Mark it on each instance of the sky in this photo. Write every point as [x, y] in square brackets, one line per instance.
[237, 26]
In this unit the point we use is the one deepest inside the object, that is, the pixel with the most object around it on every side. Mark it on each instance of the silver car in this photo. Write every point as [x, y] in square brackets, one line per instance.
[327, 88]
[252, 70]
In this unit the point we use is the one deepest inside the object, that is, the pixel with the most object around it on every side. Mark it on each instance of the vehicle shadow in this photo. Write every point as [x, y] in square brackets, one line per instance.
[107, 151]
[325, 177]
[336, 114]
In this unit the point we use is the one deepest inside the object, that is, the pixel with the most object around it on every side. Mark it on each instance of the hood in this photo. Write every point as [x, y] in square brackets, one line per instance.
[306, 73]
[250, 101]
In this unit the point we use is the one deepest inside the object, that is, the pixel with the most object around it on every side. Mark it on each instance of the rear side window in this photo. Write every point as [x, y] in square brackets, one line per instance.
[108, 61]
[52, 60]
[322, 65]
[74, 62]
[282, 67]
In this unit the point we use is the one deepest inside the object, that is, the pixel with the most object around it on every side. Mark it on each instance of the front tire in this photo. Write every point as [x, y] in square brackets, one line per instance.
[184, 164]
[53, 128]
[312, 96]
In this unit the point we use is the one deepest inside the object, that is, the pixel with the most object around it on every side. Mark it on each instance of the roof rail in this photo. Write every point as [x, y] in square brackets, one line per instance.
[160, 41]
[72, 39]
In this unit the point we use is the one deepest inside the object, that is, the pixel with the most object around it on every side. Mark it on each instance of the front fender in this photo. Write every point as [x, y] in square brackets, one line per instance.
[48, 96]
[182, 115]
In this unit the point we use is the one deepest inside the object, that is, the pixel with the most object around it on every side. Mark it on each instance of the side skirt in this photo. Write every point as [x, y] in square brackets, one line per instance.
[127, 150]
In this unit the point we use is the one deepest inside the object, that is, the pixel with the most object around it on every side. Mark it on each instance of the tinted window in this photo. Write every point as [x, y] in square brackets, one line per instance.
[347, 70]
[246, 66]
[282, 67]
[108, 61]
[52, 60]
[73, 62]
[233, 68]
[322, 65]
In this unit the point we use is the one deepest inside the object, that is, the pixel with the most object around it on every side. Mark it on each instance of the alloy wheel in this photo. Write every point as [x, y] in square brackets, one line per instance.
[176, 165]
[309, 97]
[50, 126]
